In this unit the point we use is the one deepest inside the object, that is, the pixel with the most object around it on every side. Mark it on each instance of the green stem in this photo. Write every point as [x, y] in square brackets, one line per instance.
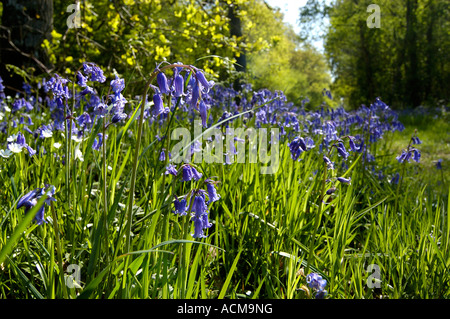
[59, 252]
[105, 195]
[317, 220]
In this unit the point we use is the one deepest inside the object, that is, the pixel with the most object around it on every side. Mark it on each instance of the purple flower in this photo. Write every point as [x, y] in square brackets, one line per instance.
[162, 83]
[344, 180]
[171, 169]
[81, 79]
[98, 141]
[352, 144]
[179, 85]
[30, 200]
[96, 74]
[204, 82]
[200, 217]
[297, 147]
[316, 282]
[328, 162]
[439, 164]
[203, 112]
[196, 174]
[162, 156]
[416, 140]
[117, 85]
[84, 120]
[158, 104]
[342, 151]
[416, 155]
[395, 178]
[180, 206]
[118, 117]
[195, 95]
[212, 193]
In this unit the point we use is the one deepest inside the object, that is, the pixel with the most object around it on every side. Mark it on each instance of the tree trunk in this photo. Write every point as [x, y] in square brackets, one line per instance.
[25, 25]
[413, 88]
[236, 30]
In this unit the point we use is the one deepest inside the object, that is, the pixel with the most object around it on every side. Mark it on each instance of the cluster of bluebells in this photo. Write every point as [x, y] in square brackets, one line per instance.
[318, 284]
[197, 201]
[62, 101]
[30, 200]
[187, 89]
[410, 152]
[324, 128]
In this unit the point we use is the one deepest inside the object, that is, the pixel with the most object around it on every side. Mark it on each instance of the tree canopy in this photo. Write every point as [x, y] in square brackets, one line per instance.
[404, 61]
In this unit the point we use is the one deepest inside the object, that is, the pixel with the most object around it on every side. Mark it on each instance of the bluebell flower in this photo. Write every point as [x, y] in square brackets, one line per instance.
[344, 180]
[161, 79]
[158, 104]
[118, 117]
[162, 156]
[212, 193]
[171, 169]
[84, 120]
[395, 178]
[321, 294]
[439, 164]
[98, 141]
[195, 95]
[328, 162]
[200, 215]
[203, 112]
[180, 206]
[416, 140]
[402, 157]
[100, 109]
[17, 142]
[352, 144]
[342, 151]
[117, 85]
[179, 85]
[187, 173]
[316, 282]
[95, 72]
[196, 175]
[81, 79]
[297, 147]
[416, 155]
[204, 82]
[30, 200]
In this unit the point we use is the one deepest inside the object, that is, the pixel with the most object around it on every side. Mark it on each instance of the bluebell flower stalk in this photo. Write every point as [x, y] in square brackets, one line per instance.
[153, 75]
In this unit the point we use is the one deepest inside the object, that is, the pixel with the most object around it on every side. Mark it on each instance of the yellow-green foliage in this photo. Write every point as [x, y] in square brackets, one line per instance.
[278, 60]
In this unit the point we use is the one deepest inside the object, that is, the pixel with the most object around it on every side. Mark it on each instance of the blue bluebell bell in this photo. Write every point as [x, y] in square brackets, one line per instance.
[163, 85]
[179, 85]
[328, 162]
[180, 206]
[344, 180]
[203, 112]
[200, 215]
[171, 169]
[158, 104]
[395, 179]
[212, 192]
[30, 200]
